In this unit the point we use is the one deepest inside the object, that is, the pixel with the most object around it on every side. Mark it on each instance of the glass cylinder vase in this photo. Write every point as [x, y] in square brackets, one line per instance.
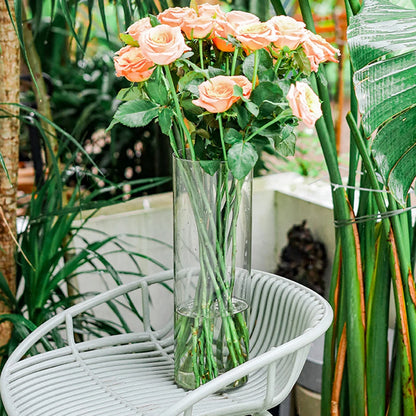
[212, 260]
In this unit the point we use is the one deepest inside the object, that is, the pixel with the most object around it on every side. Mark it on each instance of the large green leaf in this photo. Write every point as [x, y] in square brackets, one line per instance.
[382, 41]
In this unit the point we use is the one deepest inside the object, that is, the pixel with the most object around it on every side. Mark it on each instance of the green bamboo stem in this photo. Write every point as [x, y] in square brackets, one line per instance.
[278, 7]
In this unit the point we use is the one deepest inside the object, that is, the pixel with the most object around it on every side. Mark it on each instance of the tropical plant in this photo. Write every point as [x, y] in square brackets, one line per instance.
[49, 264]
[15, 32]
[375, 235]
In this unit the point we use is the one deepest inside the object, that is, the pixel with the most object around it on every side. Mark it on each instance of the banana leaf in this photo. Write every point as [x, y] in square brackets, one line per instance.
[382, 42]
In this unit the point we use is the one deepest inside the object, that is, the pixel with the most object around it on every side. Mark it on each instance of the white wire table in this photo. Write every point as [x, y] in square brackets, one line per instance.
[132, 374]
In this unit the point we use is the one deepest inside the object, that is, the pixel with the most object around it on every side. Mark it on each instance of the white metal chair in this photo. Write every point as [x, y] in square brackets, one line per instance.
[132, 374]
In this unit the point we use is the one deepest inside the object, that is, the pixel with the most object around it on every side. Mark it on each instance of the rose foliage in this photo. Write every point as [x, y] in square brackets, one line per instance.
[221, 85]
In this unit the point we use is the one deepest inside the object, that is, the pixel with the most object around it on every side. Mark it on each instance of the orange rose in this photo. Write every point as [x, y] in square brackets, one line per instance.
[174, 16]
[318, 50]
[198, 27]
[140, 26]
[256, 35]
[304, 103]
[290, 32]
[163, 44]
[217, 94]
[211, 10]
[130, 63]
[229, 26]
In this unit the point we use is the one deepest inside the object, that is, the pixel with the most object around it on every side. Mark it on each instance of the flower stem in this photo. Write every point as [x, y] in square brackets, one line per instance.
[224, 150]
[282, 115]
[179, 114]
[201, 53]
[256, 68]
[235, 56]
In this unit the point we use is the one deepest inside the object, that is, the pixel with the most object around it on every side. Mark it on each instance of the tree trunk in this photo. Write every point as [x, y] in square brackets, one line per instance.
[9, 148]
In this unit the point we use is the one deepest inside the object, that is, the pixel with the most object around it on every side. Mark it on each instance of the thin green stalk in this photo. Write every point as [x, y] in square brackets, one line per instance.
[209, 260]
[179, 116]
[201, 52]
[224, 150]
[281, 116]
[234, 64]
[256, 68]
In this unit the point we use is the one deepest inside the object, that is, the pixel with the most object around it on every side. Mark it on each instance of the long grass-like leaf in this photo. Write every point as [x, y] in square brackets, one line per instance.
[103, 18]
[67, 14]
[408, 382]
[3, 165]
[378, 317]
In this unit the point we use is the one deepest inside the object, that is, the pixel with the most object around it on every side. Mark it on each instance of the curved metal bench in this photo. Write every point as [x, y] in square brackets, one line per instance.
[132, 374]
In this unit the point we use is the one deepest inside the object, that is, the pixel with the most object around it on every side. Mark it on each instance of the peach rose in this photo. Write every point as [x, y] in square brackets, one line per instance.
[290, 32]
[229, 26]
[129, 62]
[238, 18]
[213, 11]
[304, 103]
[174, 16]
[163, 44]
[198, 27]
[318, 50]
[217, 94]
[256, 35]
[138, 27]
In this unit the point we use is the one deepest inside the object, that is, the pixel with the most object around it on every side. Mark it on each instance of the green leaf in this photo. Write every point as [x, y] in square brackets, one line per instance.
[302, 62]
[128, 94]
[137, 113]
[237, 91]
[382, 41]
[241, 159]
[153, 20]
[266, 91]
[253, 108]
[165, 120]
[210, 166]
[190, 82]
[156, 90]
[286, 147]
[214, 72]
[243, 116]
[3, 165]
[127, 39]
[232, 136]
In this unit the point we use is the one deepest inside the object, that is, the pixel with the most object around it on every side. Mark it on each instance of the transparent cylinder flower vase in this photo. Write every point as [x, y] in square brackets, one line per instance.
[212, 256]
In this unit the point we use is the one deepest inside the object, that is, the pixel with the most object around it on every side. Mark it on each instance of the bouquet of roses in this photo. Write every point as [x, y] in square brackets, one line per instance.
[222, 86]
